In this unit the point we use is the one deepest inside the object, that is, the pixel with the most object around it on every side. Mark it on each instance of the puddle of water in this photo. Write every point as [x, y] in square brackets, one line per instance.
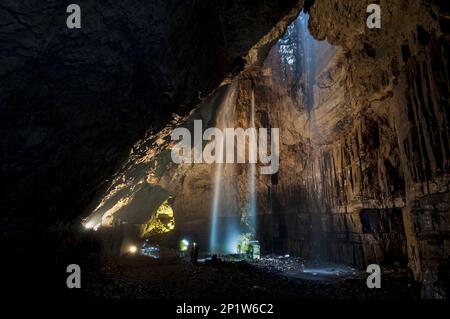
[325, 273]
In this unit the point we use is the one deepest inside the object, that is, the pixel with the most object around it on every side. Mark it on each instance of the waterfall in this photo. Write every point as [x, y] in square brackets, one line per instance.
[307, 42]
[311, 54]
[225, 119]
[225, 235]
[252, 173]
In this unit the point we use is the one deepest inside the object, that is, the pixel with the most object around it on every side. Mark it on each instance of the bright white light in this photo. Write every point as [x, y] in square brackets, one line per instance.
[132, 249]
[185, 242]
[232, 241]
[91, 225]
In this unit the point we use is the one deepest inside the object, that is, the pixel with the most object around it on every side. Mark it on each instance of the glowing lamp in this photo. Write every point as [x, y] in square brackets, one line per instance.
[132, 249]
[184, 245]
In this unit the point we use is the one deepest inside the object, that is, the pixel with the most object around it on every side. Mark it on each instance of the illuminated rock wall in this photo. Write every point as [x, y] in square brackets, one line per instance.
[365, 175]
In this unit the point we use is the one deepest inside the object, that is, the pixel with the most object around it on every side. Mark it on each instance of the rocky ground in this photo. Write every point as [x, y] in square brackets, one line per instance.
[136, 277]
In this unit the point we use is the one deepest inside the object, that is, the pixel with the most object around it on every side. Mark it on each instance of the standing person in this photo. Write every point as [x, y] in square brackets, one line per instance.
[196, 249]
[192, 251]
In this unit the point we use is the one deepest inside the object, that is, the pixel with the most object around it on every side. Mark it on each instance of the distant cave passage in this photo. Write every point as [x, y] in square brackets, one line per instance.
[161, 222]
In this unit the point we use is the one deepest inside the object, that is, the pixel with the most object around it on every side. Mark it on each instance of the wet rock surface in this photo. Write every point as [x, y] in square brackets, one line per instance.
[145, 278]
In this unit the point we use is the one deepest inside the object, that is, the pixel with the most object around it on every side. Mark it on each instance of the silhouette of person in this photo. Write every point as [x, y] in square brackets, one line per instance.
[196, 250]
[192, 252]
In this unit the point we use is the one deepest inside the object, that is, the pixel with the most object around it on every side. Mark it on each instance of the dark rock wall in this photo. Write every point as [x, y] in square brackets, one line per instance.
[423, 120]
[74, 101]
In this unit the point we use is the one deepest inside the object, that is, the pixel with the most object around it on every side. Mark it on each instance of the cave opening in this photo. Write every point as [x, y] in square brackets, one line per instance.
[298, 51]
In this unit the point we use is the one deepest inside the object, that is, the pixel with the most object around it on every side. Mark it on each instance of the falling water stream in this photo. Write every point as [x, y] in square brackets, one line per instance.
[222, 227]
[225, 119]
[309, 58]
[225, 234]
[252, 173]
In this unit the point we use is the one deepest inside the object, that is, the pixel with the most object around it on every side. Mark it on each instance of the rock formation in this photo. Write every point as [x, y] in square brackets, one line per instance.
[365, 141]
[364, 174]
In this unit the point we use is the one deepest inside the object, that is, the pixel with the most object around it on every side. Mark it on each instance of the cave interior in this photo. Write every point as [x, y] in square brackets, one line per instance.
[363, 118]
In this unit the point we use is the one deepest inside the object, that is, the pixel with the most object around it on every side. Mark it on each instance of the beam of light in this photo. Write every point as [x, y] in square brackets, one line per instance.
[231, 243]
[216, 203]
[232, 236]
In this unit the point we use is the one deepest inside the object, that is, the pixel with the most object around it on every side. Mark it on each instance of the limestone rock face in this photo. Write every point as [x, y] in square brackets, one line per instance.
[364, 170]
[373, 183]
[396, 151]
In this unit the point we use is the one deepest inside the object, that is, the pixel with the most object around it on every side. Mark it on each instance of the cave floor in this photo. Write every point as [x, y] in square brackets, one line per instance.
[138, 277]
